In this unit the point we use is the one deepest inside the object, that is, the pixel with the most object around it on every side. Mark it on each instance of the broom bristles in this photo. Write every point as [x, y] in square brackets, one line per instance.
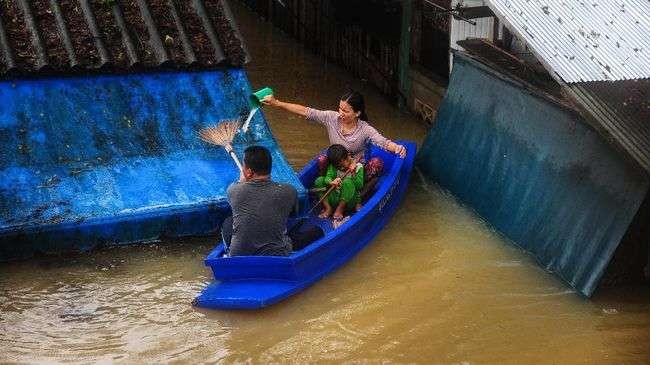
[221, 134]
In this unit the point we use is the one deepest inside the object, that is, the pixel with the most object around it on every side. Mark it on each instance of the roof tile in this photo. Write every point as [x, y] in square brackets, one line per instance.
[70, 36]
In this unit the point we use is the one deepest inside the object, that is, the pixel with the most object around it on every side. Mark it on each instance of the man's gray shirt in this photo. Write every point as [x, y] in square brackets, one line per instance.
[260, 210]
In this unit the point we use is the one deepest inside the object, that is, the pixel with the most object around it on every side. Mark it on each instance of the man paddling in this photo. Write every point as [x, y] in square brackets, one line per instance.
[260, 209]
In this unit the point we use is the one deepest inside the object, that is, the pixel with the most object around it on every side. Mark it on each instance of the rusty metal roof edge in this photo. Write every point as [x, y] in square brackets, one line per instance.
[601, 118]
[606, 115]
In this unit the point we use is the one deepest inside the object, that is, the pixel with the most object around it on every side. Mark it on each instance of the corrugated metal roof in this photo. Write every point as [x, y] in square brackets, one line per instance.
[68, 36]
[581, 41]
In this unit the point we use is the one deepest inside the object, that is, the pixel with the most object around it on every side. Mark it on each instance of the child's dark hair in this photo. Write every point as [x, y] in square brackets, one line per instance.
[336, 153]
[258, 159]
[355, 99]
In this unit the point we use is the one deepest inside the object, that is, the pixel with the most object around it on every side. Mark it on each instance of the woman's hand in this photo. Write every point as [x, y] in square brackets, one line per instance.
[396, 148]
[336, 182]
[270, 100]
[400, 150]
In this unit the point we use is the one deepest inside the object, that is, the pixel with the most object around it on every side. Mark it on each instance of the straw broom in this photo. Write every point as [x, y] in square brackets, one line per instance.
[222, 134]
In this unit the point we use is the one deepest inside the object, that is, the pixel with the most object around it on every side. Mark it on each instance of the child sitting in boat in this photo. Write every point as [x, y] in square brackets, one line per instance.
[346, 196]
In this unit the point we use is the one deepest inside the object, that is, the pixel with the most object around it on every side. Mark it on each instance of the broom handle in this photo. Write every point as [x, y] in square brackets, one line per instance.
[332, 188]
[321, 199]
[233, 155]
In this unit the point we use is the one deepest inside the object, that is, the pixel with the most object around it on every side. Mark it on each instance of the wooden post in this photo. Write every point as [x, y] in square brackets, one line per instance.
[495, 30]
[404, 53]
[296, 19]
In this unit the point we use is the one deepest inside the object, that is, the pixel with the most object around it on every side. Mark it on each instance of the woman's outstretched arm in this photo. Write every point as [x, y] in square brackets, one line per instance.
[385, 143]
[293, 108]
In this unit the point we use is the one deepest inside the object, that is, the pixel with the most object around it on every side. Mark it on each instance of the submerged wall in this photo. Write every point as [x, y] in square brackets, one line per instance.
[534, 170]
[97, 160]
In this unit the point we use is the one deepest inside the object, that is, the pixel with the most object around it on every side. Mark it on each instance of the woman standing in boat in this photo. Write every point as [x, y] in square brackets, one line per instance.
[348, 126]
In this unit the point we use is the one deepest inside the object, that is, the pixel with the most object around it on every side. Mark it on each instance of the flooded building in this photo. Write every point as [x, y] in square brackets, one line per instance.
[544, 132]
[101, 105]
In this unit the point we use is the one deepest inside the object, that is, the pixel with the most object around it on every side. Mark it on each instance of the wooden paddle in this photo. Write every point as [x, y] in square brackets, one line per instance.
[355, 162]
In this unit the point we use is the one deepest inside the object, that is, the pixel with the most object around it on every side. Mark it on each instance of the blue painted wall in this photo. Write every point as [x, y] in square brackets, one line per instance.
[534, 170]
[116, 159]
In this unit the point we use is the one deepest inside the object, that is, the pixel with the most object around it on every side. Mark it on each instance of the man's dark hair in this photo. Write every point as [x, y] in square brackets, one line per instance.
[336, 153]
[258, 159]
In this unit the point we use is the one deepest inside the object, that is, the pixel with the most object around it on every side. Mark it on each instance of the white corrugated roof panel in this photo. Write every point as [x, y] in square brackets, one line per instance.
[583, 40]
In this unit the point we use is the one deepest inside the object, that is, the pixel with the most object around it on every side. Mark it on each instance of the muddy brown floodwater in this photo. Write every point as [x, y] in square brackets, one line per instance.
[436, 286]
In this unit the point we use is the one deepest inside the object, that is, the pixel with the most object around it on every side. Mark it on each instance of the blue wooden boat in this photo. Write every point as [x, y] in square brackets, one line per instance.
[249, 282]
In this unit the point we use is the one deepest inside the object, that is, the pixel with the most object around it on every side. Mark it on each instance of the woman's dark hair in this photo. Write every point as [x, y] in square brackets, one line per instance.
[355, 99]
[336, 153]
[258, 159]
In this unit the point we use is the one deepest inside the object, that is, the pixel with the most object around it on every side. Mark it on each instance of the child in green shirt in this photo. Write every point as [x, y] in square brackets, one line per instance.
[346, 194]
